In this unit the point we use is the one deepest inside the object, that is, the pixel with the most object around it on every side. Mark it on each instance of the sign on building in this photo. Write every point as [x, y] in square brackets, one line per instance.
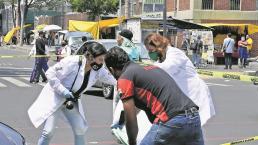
[134, 25]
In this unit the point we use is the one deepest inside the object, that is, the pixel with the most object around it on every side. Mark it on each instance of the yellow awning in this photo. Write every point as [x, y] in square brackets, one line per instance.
[40, 27]
[83, 26]
[251, 27]
[93, 27]
[10, 34]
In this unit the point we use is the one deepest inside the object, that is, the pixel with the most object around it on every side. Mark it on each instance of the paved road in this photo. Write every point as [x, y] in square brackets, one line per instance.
[235, 101]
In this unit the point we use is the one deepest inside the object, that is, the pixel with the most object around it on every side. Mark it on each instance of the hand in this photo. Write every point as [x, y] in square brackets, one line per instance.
[67, 94]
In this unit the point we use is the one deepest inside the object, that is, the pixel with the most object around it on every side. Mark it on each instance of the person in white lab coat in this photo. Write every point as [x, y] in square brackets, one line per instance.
[181, 69]
[67, 79]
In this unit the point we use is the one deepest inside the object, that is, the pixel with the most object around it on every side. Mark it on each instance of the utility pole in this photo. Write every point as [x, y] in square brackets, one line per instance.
[22, 22]
[120, 15]
[165, 18]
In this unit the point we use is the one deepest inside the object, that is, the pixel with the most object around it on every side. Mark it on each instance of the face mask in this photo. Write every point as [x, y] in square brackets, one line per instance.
[96, 66]
[153, 56]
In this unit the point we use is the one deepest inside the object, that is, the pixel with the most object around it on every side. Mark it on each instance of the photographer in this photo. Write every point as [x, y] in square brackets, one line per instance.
[69, 78]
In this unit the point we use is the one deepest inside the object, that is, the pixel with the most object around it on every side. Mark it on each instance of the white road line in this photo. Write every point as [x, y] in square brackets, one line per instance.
[16, 82]
[214, 84]
[28, 79]
[2, 85]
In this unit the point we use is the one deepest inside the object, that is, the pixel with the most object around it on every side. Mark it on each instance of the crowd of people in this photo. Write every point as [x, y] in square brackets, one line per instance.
[177, 102]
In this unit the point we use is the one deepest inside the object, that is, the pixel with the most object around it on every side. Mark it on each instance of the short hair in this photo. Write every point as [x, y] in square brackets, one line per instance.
[41, 33]
[116, 58]
[229, 34]
[95, 49]
[156, 40]
[84, 38]
[127, 34]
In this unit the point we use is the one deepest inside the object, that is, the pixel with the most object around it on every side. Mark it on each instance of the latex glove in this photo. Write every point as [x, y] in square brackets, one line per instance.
[67, 94]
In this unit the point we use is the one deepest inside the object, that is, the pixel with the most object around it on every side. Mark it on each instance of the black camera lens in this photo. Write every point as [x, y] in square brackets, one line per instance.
[69, 105]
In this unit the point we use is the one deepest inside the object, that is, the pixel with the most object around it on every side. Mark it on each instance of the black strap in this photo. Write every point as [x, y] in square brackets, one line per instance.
[84, 84]
[80, 64]
[228, 43]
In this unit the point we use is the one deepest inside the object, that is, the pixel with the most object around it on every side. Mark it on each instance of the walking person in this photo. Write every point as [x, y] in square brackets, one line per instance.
[40, 51]
[196, 48]
[174, 117]
[242, 51]
[68, 79]
[227, 48]
[249, 41]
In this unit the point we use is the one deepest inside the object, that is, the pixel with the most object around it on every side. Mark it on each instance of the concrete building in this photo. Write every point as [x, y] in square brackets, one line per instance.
[208, 11]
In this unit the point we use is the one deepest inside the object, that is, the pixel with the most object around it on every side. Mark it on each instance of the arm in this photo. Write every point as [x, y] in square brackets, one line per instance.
[131, 120]
[33, 51]
[106, 77]
[60, 71]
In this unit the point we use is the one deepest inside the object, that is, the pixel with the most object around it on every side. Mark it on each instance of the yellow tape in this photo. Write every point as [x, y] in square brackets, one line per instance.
[25, 56]
[229, 75]
[242, 141]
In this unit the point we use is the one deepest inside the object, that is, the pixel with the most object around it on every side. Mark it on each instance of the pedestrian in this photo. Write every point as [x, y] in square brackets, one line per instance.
[242, 51]
[14, 40]
[1, 39]
[249, 41]
[68, 79]
[65, 49]
[174, 117]
[182, 70]
[227, 48]
[185, 44]
[41, 58]
[196, 48]
[124, 40]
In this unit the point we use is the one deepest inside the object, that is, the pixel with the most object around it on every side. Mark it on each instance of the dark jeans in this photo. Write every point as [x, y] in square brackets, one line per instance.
[184, 129]
[40, 65]
[228, 60]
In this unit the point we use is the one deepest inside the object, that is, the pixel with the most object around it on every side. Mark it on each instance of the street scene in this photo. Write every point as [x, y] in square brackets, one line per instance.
[129, 72]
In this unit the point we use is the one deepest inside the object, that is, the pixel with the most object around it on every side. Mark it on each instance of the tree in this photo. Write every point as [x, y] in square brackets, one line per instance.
[95, 8]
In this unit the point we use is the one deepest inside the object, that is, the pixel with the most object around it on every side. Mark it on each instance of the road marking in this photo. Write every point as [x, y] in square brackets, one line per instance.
[28, 79]
[16, 82]
[2, 85]
[214, 84]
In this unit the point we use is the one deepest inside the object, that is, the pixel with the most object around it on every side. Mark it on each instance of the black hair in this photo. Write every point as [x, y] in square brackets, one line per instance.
[127, 34]
[116, 58]
[41, 33]
[84, 38]
[95, 49]
[229, 34]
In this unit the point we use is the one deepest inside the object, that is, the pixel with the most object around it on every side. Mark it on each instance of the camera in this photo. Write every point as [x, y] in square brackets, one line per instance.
[69, 103]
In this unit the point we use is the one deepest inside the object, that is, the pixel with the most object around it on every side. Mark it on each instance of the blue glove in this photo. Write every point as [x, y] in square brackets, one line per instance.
[67, 94]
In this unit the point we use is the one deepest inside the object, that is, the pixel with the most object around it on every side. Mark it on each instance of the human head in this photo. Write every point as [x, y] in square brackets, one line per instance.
[247, 36]
[157, 46]
[199, 37]
[126, 34]
[242, 38]
[229, 35]
[41, 33]
[84, 38]
[95, 55]
[115, 59]
[63, 43]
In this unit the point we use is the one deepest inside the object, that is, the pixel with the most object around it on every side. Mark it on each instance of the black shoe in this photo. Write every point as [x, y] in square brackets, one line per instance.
[225, 68]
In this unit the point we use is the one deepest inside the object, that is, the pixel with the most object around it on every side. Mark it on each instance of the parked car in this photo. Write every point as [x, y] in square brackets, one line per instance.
[109, 43]
[9, 136]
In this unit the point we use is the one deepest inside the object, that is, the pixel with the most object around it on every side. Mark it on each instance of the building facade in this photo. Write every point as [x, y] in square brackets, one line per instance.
[209, 11]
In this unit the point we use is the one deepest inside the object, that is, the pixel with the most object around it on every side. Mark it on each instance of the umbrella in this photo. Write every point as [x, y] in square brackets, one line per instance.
[52, 28]
[9, 136]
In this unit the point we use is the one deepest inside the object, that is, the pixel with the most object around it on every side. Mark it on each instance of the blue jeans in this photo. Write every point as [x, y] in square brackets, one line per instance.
[196, 59]
[74, 118]
[180, 130]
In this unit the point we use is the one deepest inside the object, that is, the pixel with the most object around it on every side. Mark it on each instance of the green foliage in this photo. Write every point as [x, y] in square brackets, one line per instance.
[95, 7]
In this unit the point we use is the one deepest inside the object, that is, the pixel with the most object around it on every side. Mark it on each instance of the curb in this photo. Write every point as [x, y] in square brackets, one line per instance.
[229, 75]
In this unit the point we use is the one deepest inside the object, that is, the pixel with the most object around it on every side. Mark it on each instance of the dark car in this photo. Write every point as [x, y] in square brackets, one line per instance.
[109, 43]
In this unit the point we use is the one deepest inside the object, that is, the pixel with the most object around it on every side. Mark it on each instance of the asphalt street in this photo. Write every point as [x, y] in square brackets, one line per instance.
[235, 103]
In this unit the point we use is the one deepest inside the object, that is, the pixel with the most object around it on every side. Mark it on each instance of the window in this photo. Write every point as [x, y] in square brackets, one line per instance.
[148, 8]
[207, 4]
[159, 7]
[256, 4]
[234, 4]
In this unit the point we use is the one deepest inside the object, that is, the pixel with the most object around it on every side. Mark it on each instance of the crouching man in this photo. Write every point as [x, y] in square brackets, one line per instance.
[174, 117]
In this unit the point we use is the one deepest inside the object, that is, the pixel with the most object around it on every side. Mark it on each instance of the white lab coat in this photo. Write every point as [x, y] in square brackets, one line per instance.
[181, 69]
[61, 76]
